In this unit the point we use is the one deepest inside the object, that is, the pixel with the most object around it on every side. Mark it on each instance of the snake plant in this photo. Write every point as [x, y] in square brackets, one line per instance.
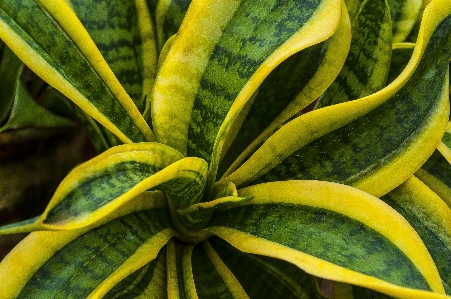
[246, 148]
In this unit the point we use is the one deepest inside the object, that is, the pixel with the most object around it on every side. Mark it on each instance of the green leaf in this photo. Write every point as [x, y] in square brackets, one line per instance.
[10, 70]
[276, 278]
[124, 35]
[366, 67]
[436, 171]
[430, 217]
[196, 217]
[212, 279]
[98, 187]
[374, 143]
[288, 89]
[169, 17]
[436, 174]
[325, 228]
[48, 37]
[64, 259]
[345, 291]
[219, 59]
[180, 278]
[146, 282]
[401, 54]
[404, 15]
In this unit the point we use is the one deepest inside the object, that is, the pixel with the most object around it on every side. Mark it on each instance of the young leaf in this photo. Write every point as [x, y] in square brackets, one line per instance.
[169, 17]
[220, 58]
[49, 38]
[328, 230]
[436, 171]
[404, 14]
[146, 282]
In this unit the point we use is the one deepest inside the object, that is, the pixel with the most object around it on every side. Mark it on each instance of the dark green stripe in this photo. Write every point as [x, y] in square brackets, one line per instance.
[137, 282]
[209, 284]
[259, 280]
[421, 222]
[327, 235]
[45, 36]
[366, 67]
[79, 267]
[99, 189]
[185, 191]
[275, 93]
[446, 139]
[256, 29]
[180, 250]
[362, 147]
[173, 18]
[115, 30]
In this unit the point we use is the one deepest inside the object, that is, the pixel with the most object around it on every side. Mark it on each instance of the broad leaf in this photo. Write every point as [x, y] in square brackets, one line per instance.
[139, 227]
[328, 230]
[126, 27]
[436, 171]
[404, 14]
[219, 58]
[374, 143]
[48, 37]
[17, 109]
[146, 282]
[276, 278]
[430, 217]
[289, 88]
[98, 187]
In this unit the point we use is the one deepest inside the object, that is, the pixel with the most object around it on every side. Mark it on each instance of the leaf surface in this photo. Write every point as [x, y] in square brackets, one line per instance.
[219, 58]
[50, 39]
[124, 34]
[75, 262]
[374, 143]
[289, 88]
[276, 278]
[430, 217]
[367, 64]
[101, 185]
[328, 230]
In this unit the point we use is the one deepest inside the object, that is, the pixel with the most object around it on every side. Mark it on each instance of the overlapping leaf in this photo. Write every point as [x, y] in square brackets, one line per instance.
[431, 219]
[169, 17]
[329, 230]
[374, 143]
[367, 64]
[219, 58]
[48, 37]
[142, 231]
[17, 109]
[101, 185]
[290, 87]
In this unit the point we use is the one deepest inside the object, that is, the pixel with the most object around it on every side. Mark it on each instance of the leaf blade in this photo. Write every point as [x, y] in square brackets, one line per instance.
[81, 58]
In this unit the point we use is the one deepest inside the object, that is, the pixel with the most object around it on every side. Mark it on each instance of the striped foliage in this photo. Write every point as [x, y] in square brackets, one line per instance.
[246, 187]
